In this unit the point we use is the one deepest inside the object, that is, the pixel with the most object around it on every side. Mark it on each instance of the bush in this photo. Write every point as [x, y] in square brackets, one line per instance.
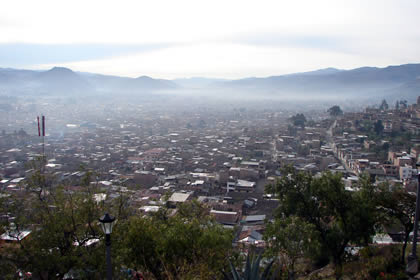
[381, 263]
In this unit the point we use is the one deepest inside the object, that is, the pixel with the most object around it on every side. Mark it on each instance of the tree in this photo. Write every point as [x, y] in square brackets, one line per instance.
[188, 245]
[398, 207]
[403, 104]
[291, 239]
[378, 127]
[311, 123]
[64, 229]
[298, 120]
[338, 216]
[303, 150]
[384, 105]
[335, 111]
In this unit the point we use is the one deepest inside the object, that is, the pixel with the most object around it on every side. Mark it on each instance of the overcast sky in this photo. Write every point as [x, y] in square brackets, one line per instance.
[224, 39]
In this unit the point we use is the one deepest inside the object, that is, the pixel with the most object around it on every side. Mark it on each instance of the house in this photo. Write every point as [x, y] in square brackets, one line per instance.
[253, 220]
[390, 170]
[406, 172]
[240, 185]
[226, 218]
[250, 237]
[415, 153]
[13, 236]
[178, 198]
[402, 161]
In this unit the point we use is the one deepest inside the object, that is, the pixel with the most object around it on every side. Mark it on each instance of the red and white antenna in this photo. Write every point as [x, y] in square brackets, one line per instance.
[41, 128]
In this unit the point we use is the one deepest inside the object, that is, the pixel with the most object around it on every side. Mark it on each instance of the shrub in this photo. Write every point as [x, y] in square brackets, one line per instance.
[381, 263]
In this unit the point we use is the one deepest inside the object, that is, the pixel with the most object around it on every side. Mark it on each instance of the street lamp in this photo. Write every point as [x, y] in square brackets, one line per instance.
[107, 222]
[412, 263]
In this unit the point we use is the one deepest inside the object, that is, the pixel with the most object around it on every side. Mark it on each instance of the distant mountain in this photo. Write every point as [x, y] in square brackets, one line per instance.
[392, 82]
[324, 71]
[60, 79]
[150, 83]
[64, 81]
[10, 76]
[130, 85]
[409, 91]
[357, 82]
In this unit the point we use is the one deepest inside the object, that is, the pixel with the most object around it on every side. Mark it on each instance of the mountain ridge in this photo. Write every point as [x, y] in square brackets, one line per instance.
[363, 81]
[355, 82]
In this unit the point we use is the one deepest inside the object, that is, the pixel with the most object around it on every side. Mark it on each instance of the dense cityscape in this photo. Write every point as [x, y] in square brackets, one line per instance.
[151, 159]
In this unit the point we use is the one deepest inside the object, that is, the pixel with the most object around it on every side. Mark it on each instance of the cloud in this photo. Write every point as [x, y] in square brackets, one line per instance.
[285, 39]
[187, 37]
[228, 60]
[23, 54]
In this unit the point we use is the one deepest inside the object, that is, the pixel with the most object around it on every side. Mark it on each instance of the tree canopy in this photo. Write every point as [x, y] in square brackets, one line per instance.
[188, 245]
[338, 216]
[384, 105]
[378, 127]
[298, 120]
[66, 237]
[290, 239]
[64, 230]
[398, 208]
[335, 111]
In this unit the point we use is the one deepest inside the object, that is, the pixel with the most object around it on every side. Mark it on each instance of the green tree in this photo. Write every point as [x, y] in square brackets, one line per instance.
[338, 216]
[298, 120]
[303, 150]
[378, 127]
[185, 246]
[335, 111]
[290, 239]
[384, 105]
[398, 209]
[65, 235]
[311, 123]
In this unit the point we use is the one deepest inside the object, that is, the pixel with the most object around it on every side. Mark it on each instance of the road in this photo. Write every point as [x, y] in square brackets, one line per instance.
[330, 141]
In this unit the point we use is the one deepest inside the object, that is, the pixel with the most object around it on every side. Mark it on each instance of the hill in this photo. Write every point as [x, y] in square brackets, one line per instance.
[334, 82]
[64, 81]
[392, 82]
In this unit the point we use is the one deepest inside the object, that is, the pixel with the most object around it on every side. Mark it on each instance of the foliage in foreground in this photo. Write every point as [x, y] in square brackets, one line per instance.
[339, 217]
[397, 209]
[66, 236]
[290, 240]
[177, 247]
[62, 222]
[252, 270]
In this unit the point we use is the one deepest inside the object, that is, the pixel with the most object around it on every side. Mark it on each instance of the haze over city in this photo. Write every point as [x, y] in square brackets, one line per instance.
[229, 139]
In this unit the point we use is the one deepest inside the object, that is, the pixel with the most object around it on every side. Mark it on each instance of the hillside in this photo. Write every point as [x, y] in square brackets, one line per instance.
[392, 82]
[64, 81]
[330, 81]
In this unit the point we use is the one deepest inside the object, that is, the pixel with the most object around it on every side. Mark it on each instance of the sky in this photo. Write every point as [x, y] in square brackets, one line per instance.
[220, 39]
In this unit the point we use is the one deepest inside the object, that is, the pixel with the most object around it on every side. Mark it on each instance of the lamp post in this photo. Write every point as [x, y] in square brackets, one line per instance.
[412, 262]
[107, 222]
